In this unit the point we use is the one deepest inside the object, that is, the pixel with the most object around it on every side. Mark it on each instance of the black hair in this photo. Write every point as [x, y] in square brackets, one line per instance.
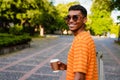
[80, 8]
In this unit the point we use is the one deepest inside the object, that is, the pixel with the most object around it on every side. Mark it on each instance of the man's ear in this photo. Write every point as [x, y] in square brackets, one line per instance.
[85, 19]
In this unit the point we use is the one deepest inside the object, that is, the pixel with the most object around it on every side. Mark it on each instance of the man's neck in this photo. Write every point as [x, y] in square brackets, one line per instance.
[79, 30]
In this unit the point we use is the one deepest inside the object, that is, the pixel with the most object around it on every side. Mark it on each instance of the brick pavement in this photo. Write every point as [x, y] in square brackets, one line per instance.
[33, 63]
[111, 57]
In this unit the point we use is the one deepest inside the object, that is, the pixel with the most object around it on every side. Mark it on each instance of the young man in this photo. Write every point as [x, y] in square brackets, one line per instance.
[81, 63]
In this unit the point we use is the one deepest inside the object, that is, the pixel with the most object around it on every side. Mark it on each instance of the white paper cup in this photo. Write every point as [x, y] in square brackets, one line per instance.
[54, 65]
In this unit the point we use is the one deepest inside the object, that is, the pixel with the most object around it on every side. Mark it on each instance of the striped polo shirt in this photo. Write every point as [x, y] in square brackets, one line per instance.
[82, 57]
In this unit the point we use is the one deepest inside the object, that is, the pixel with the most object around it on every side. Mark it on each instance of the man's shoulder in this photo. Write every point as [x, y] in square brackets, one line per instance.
[84, 36]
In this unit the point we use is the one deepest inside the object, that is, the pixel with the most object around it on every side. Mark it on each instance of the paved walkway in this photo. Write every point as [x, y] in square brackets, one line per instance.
[33, 63]
[111, 57]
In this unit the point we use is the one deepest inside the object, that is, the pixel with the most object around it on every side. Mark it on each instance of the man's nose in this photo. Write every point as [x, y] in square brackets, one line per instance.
[71, 19]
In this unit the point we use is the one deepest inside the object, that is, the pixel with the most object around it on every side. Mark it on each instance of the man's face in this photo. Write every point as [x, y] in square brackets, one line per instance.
[75, 20]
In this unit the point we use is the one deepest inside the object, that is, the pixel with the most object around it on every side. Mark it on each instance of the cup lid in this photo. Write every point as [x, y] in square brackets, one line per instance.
[54, 60]
[56, 71]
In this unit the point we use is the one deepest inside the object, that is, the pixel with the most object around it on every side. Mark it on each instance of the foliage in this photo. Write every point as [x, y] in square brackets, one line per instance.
[114, 29]
[116, 5]
[100, 17]
[16, 30]
[102, 5]
[17, 11]
[11, 40]
[21, 9]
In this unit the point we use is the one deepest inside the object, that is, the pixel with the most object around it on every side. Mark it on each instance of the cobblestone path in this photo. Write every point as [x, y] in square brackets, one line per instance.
[33, 63]
[111, 57]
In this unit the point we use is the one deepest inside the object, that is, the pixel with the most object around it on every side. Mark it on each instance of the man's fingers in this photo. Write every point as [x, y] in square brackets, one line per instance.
[59, 62]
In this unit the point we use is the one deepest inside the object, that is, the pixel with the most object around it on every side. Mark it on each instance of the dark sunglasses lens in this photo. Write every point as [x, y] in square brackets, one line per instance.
[75, 17]
[67, 18]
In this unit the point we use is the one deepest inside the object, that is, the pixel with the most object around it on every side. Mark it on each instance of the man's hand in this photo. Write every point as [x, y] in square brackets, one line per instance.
[79, 76]
[62, 66]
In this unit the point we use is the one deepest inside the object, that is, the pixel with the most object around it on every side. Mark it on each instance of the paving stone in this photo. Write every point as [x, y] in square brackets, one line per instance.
[43, 77]
[32, 62]
[45, 70]
[20, 68]
[112, 77]
[10, 75]
[2, 65]
[8, 60]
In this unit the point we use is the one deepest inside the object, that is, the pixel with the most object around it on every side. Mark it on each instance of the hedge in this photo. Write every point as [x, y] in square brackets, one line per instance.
[7, 40]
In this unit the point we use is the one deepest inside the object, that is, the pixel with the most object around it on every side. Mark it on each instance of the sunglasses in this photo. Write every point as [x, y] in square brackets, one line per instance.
[74, 17]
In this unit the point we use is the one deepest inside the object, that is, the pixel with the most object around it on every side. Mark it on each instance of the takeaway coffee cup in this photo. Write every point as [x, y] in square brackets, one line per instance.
[54, 65]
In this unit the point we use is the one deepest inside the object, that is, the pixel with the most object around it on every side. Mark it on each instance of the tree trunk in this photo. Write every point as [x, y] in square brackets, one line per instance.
[41, 30]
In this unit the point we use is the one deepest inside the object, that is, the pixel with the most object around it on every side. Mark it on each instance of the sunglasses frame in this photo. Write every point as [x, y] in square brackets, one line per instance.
[74, 17]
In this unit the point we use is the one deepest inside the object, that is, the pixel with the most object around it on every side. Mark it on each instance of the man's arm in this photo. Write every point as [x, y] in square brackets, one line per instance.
[79, 76]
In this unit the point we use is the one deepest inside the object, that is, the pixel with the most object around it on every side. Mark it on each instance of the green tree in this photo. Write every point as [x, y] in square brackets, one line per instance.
[116, 5]
[39, 12]
[47, 17]
[16, 11]
[114, 29]
[100, 16]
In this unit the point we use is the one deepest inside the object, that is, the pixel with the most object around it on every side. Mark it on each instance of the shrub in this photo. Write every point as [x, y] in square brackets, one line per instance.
[16, 30]
[7, 40]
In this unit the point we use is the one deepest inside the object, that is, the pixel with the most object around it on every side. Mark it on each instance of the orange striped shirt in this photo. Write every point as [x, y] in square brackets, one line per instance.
[82, 57]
